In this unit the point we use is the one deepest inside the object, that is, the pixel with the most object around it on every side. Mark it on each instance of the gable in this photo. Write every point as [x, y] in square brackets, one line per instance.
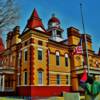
[40, 29]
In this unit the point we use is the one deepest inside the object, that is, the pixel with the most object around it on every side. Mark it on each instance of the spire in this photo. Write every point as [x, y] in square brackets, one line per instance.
[34, 14]
[99, 52]
[35, 22]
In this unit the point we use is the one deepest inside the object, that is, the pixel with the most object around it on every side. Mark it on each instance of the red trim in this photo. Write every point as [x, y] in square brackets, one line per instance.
[31, 40]
[54, 19]
[31, 64]
[42, 91]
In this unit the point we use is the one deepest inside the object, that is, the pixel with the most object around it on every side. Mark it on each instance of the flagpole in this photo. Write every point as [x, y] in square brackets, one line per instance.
[81, 9]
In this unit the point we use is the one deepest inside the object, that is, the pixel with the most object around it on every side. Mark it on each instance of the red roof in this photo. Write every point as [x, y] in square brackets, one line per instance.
[35, 21]
[54, 19]
[34, 14]
[57, 28]
[1, 45]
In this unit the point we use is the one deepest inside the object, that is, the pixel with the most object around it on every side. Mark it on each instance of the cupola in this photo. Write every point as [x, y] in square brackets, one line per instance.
[55, 29]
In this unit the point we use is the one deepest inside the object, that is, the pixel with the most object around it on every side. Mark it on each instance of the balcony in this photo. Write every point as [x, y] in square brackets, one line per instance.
[7, 69]
[6, 89]
[92, 70]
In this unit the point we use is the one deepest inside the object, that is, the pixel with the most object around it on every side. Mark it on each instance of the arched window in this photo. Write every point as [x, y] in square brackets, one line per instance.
[57, 58]
[66, 60]
[40, 77]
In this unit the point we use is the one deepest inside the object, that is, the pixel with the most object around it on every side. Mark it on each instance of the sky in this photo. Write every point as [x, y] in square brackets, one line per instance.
[68, 12]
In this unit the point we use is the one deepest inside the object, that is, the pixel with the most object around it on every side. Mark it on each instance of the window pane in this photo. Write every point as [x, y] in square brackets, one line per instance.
[40, 77]
[66, 79]
[25, 55]
[39, 54]
[57, 60]
[25, 78]
[58, 79]
[66, 61]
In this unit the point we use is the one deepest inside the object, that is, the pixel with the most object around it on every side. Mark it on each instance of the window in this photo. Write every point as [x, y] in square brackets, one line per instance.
[66, 79]
[39, 54]
[66, 60]
[39, 42]
[40, 77]
[19, 59]
[59, 34]
[57, 59]
[25, 78]
[25, 54]
[58, 79]
[26, 43]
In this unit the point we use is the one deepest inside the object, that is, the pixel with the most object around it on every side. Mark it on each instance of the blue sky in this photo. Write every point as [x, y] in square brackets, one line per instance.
[68, 11]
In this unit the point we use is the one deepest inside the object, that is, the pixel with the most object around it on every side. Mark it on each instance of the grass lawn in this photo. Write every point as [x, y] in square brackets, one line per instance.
[9, 98]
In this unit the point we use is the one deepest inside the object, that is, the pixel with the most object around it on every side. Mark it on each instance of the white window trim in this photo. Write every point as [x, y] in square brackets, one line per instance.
[57, 53]
[66, 55]
[24, 54]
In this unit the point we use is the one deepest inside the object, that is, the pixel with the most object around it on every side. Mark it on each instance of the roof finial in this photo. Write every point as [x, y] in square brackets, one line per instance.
[34, 14]
[53, 15]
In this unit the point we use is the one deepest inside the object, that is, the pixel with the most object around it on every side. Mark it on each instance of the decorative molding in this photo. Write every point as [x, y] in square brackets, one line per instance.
[63, 73]
[35, 45]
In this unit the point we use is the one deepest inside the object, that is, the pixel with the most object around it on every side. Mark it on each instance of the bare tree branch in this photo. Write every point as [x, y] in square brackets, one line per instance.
[9, 14]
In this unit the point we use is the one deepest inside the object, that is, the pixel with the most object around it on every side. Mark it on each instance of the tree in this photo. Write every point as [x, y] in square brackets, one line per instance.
[9, 14]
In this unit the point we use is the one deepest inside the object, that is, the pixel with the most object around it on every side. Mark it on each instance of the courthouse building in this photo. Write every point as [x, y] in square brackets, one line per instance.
[40, 62]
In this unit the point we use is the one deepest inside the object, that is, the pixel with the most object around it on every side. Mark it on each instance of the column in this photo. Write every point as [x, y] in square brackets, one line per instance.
[0, 82]
[3, 82]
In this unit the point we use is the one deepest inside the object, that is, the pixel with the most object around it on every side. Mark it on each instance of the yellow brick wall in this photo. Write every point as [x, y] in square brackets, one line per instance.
[40, 64]
[52, 59]
[55, 70]
[73, 40]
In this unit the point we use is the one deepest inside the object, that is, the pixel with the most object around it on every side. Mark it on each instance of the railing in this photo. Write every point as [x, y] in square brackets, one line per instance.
[92, 69]
[6, 89]
[7, 68]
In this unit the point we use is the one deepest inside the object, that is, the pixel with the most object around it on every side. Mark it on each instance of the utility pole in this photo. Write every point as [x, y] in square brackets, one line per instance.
[86, 48]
